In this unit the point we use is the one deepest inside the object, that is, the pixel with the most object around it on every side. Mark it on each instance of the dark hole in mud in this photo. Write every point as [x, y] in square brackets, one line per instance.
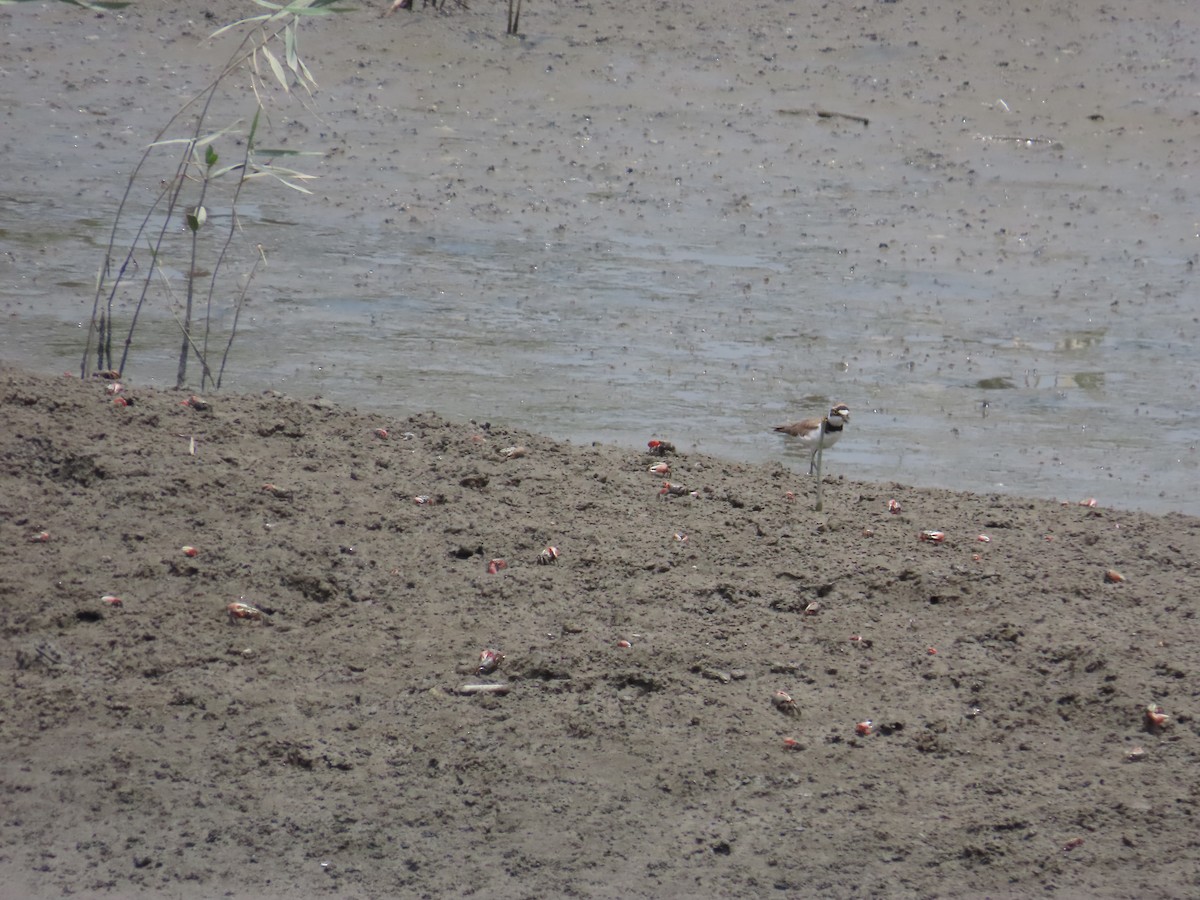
[299, 760]
[314, 589]
[80, 469]
[540, 667]
[640, 682]
[1010, 826]
[89, 615]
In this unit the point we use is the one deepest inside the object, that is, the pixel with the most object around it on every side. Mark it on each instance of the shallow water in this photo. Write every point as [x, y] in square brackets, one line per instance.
[598, 263]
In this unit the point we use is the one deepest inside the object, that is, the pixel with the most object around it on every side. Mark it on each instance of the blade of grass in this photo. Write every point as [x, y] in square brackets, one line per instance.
[276, 68]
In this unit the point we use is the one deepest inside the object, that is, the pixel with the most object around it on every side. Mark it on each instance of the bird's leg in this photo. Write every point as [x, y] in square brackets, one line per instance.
[818, 458]
[820, 483]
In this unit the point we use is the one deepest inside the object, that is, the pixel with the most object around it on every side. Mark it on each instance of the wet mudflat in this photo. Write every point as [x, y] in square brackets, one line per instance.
[642, 222]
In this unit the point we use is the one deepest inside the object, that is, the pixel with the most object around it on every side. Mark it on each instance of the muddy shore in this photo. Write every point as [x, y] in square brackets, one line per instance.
[156, 747]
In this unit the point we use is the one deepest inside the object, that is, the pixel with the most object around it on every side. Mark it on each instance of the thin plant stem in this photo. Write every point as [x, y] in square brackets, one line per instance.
[233, 227]
[175, 186]
[189, 294]
[237, 313]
